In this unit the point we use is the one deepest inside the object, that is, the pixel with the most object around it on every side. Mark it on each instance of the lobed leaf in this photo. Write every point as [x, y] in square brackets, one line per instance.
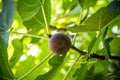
[32, 13]
[103, 17]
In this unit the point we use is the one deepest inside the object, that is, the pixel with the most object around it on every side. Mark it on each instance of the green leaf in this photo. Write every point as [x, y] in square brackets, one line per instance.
[104, 33]
[77, 9]
[85, 72]
[32, 13]
[28, 8]
[25, 66]
[55, 61]
[80, 28]
[87, 3]
[6, 19]
[67, 4]
[115, 43]
[47, 75]
[106, 42]
[115, 46]
[103, 17]
[18, 51]
[5, 37]
[90, 72]
[91, 45]
[97, 76]
[5, 70]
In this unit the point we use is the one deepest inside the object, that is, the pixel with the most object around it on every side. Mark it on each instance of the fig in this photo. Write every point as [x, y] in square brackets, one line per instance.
[59, 43]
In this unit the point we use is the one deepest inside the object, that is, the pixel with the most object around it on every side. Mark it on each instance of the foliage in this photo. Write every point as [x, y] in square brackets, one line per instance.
[92, 25]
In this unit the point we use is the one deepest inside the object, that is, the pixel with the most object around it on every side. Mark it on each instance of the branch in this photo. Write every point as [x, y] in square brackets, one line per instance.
[94, 55]
[79, 51]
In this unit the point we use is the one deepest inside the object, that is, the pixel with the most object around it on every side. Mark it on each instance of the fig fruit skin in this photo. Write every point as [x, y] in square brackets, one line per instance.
[59, 43]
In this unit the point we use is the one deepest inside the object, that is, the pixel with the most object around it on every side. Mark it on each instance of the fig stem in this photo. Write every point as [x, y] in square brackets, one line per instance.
[35, 67]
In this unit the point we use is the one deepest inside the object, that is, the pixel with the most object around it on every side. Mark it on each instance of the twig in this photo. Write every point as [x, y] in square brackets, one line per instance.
[30, 35]
[80, 51]
[45, 20]
[94, 55]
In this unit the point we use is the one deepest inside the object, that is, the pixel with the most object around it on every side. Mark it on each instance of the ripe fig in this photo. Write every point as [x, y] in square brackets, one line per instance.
[59, 43]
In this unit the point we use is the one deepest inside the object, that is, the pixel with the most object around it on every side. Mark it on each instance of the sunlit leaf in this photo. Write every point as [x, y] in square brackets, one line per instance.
[55, 62]
[28, 8]
[18, 51]
[47, 75]
[103, 17]
[24, 66]
[87, 3]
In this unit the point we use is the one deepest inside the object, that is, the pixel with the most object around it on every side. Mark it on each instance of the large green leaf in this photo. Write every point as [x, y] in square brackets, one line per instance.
[5, 70]
[28, 8]
[103, 17]
[7, 15]
[34, 13]
[6, 19]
